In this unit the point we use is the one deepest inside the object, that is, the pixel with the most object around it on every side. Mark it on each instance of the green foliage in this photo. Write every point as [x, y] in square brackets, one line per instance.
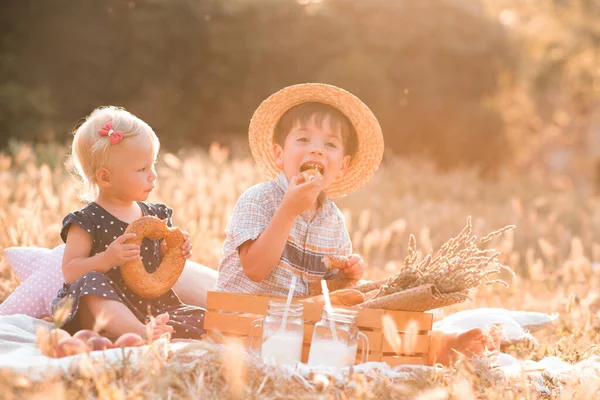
[197, 69]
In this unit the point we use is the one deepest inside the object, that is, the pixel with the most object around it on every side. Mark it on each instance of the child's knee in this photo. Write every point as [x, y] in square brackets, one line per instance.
[93, 304]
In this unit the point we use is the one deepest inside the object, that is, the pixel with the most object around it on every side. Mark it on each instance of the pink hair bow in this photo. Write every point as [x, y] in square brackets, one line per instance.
[114, 136]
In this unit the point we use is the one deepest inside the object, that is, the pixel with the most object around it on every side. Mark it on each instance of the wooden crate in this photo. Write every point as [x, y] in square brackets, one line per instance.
[249, 307]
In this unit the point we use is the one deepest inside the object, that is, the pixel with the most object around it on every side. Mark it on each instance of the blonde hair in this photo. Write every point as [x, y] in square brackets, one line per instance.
[90, 151]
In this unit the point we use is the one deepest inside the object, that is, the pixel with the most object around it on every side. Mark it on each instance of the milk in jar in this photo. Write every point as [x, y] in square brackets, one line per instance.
[282, 348]
[333, 353]
[281, 343]
[335, 339]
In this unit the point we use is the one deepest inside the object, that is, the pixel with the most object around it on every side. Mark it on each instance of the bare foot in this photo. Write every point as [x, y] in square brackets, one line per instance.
[494, 337]
[445, 346]
[472, 342]
[157, 327]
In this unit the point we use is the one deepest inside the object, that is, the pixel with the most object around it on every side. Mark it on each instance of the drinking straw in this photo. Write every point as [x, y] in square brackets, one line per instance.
[328, 308]
[288, 302]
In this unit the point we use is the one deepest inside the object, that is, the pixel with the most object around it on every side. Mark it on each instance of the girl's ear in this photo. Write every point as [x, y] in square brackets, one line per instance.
[278, 155]
[103, 177]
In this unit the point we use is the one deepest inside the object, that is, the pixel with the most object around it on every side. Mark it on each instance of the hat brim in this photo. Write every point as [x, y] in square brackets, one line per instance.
[368, 131]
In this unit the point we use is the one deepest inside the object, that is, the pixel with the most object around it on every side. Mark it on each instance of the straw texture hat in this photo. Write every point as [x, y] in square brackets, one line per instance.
[370, 140]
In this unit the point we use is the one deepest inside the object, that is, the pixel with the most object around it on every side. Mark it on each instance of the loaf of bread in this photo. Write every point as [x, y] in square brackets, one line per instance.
[344, 297]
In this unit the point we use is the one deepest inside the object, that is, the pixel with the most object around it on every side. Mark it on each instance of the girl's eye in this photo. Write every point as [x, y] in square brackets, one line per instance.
[331, 145]
[142, 169]
[303, 139]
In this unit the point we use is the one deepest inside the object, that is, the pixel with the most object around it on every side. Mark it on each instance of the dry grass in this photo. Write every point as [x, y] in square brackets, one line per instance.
[455, 269]
[552, 250]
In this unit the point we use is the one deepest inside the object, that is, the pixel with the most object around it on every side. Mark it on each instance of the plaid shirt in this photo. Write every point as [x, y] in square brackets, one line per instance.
[306, 245]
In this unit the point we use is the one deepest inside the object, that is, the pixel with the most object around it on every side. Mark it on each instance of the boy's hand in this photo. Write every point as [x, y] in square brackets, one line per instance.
[119, 253]
[355, 269]
[186, 247]
[301, 195]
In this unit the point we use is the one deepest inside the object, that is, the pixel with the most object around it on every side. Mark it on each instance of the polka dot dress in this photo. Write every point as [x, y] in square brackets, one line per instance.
[187, 321]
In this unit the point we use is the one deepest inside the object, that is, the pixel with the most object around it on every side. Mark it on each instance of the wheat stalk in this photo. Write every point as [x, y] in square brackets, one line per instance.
[456, 268]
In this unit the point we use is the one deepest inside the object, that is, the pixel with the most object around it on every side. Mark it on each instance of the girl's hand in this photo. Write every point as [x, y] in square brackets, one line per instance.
[186, 247]
[119, 253]
[355, 269]
[301, 195]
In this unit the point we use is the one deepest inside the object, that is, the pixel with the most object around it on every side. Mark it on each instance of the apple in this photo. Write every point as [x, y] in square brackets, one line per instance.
[69, 345]
[129, 340]
[99, 343]
[85, 334]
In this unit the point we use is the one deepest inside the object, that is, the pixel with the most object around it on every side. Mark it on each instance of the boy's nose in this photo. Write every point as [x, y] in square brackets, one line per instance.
[316, 150]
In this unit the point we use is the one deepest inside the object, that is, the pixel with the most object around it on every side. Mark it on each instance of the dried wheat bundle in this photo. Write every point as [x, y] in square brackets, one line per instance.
[456, 268]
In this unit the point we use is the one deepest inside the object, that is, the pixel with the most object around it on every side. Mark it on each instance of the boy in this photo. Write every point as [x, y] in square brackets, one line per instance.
[285, 226]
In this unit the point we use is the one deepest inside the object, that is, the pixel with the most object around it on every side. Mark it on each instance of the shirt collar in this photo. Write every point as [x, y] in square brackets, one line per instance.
[326, 203]
[281, 181]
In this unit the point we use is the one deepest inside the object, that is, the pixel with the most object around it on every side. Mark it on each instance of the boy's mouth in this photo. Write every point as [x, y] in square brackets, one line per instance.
[311, 165]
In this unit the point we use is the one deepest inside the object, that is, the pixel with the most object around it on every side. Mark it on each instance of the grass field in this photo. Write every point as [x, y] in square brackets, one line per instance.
[552, 250]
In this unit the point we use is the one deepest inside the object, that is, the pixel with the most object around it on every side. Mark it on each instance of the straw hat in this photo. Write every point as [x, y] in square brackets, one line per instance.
[370, 140]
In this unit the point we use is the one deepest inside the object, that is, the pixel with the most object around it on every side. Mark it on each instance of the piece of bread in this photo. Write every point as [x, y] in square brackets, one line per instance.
[344, 297]
[334, 261]
[309, 174]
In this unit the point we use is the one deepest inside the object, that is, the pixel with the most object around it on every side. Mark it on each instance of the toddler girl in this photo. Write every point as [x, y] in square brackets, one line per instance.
[114, 153]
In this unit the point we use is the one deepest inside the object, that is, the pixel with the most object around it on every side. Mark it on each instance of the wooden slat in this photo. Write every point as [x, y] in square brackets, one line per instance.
[371, 318]
[366, 318]
[242, 302]
[213, 335]
[411, 321]
[411, 344]
[229, 323]
[395, 360]
[372, 356]
[220, 337]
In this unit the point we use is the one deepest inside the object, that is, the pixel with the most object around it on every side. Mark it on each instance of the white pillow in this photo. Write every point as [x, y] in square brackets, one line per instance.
[26, 260]
[41, 273]
[195, 282]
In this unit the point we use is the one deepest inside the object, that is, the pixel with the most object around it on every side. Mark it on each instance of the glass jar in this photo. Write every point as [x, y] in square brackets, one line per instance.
[281, 344]
[335, 340]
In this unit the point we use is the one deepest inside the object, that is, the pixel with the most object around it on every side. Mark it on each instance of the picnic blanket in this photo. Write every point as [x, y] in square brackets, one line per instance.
[19, 352]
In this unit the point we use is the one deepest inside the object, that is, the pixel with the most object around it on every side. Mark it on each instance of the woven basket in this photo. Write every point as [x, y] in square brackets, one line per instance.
[367, 287]
[420, 298]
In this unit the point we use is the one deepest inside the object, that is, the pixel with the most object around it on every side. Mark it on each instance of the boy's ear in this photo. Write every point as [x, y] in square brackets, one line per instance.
[103, 177]
[345, 164]
[278, 155]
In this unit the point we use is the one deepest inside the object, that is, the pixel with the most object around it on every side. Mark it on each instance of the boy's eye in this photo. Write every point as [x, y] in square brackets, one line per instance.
[330, 144]
[302, 139]
[142, 169]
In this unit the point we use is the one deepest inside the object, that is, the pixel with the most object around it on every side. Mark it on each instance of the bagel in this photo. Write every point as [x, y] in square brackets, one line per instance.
[335, 262]
[153, 285]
